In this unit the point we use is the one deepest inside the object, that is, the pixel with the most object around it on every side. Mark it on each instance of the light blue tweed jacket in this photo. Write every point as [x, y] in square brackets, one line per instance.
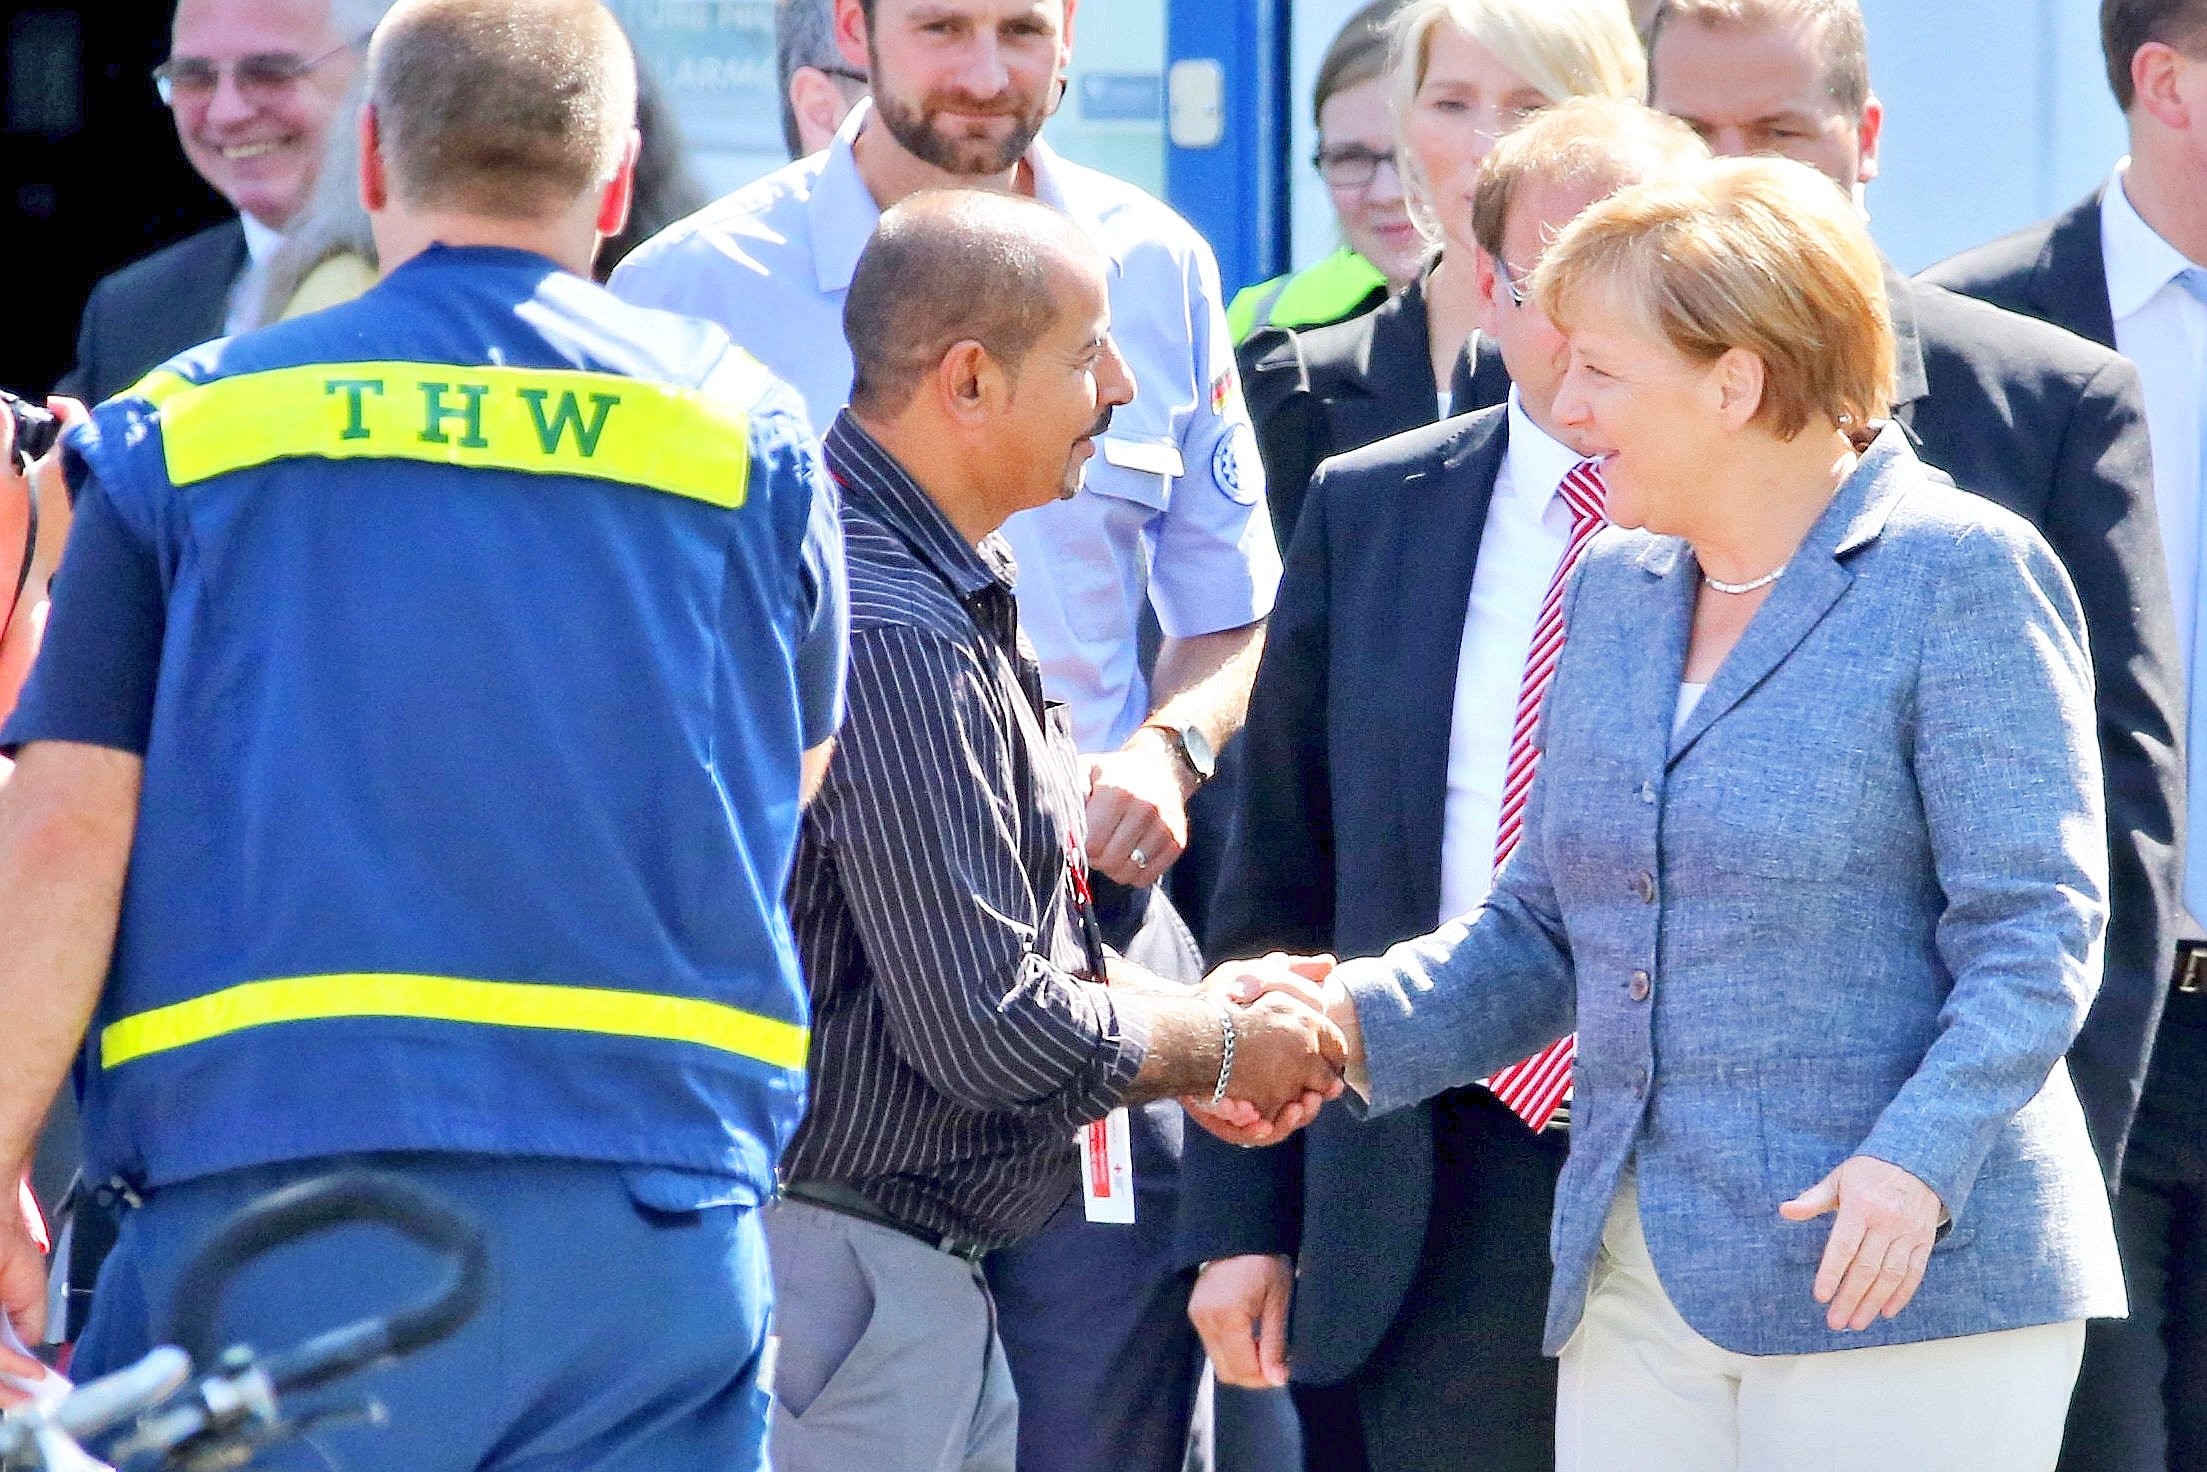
[1861, 892]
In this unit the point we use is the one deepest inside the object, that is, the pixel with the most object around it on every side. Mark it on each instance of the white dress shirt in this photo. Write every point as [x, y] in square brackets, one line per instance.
[2162, 328]
[1172, 506]
[1527, 532]
[261, 244]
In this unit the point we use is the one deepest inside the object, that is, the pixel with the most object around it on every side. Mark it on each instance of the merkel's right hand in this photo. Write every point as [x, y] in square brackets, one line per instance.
[1239, 1307]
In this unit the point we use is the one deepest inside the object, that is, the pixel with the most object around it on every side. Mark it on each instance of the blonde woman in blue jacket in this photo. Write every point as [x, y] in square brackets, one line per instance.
[1816, 867]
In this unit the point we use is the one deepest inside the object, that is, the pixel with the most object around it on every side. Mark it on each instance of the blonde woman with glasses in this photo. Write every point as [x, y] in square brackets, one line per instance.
[1461, 74]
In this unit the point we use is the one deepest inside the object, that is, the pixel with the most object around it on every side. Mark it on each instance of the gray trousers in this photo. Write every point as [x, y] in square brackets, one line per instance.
[886, 1355]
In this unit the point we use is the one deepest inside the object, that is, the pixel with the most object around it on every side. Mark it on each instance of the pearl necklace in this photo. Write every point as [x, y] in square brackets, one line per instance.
[1750, 587]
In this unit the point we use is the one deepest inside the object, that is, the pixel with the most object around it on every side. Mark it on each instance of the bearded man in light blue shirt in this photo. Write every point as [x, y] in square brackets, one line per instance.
[1171, 512]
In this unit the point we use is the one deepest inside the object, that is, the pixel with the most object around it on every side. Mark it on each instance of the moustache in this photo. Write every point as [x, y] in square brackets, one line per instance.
[1005, 104]
[1103, 423]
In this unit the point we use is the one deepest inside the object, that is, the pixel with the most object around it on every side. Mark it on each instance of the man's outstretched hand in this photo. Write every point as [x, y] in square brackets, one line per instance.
[1288, 1056]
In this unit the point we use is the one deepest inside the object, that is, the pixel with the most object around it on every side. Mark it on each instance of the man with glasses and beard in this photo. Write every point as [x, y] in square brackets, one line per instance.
[1171, 510]
[254, 86]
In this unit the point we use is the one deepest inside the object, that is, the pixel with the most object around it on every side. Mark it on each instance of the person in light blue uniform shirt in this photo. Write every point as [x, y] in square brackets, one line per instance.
[1176, 486]
[1171, 513]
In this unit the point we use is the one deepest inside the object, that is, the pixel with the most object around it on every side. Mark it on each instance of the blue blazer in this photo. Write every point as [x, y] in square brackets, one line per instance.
[1854, 905]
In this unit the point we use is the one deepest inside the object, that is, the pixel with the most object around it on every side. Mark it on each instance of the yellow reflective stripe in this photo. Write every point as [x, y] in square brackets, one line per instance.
[1327, 291]
[534, 420]
[157, 387]
[453, 999]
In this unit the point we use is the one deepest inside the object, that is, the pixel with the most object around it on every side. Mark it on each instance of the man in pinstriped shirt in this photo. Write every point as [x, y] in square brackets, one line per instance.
[960, 1035]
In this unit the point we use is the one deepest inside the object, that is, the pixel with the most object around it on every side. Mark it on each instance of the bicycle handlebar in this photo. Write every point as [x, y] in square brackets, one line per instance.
[319, 1205]
[235, 1405]
[90, 1409]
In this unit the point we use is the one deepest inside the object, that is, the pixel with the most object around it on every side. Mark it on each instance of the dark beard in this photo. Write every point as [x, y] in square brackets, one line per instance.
[966, 157]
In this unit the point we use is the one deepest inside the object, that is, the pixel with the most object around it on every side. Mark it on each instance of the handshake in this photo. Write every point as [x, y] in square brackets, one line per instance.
[1295, 1037]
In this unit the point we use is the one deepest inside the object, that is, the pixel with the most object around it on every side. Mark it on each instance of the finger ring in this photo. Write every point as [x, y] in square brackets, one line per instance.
[1141, 859]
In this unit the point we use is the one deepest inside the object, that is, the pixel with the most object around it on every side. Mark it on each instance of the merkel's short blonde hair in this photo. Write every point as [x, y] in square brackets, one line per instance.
[1760, 254]
[1562, 48]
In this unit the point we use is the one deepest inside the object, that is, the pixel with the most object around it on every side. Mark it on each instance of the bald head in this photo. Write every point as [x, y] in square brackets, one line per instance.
[951, 266]
[510, 109]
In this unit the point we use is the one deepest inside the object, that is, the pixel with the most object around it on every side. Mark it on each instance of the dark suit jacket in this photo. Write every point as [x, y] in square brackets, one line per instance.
[2056, 271]
[152, 309]
[2053, 427]
[2053, 271]
[1337, 846]
[1321, 391]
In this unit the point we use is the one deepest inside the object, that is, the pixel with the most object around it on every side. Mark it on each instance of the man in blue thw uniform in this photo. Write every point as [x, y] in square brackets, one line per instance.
[422, 723]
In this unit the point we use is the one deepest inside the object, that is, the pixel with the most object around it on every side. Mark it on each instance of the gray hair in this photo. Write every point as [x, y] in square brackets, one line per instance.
[354, 19]
[330, 224]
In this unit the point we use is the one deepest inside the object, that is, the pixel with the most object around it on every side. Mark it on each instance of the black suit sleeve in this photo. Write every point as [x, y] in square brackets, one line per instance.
[1275, 891]
[1289, 420]
[2101, 522]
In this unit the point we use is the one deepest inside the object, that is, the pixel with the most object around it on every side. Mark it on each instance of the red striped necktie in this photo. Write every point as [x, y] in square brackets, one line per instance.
[1536, 1088]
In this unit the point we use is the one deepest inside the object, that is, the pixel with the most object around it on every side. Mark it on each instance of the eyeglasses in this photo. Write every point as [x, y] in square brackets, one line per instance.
[1510, 286]
[260, 78]
[845, 73]
[1351, 167]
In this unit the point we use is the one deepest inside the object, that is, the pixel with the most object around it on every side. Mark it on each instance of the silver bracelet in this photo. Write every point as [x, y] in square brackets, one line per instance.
[1227, 1032]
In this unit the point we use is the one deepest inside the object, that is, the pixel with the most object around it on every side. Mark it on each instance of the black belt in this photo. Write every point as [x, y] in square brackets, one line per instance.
[843, 1201]
[2190, 978]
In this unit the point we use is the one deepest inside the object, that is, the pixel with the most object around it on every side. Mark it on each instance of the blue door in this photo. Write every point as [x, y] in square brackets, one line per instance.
[1227, 130]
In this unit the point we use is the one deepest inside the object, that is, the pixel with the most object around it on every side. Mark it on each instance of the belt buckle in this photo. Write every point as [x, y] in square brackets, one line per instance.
[2191, 969]
[966, 1252]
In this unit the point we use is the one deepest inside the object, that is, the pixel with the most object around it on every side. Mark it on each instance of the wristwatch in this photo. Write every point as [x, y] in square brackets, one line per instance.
[1192, 746]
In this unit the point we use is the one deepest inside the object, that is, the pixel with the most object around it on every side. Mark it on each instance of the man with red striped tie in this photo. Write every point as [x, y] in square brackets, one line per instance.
[1392, 738]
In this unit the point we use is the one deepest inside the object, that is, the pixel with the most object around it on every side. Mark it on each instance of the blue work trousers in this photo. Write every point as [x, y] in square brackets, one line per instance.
[615, 1336]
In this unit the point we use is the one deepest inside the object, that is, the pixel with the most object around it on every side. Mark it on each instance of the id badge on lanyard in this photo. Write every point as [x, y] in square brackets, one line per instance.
[1107, 1144]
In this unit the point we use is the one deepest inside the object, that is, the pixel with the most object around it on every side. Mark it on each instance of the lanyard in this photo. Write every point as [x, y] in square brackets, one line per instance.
[1084, 910]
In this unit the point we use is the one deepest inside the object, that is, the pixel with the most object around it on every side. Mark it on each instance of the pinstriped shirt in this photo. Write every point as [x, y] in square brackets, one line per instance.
[954, 1052]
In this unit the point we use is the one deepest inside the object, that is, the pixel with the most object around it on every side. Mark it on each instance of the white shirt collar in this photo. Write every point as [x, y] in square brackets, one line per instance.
[1538, 461]
[2139, 261]
[843, 213]
[261, 241]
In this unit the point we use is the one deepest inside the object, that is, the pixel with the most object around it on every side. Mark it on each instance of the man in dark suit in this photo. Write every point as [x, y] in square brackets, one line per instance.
[2128, 268]
[2028, 415]
[254, 86]
[1321, 391]
[1377, 746]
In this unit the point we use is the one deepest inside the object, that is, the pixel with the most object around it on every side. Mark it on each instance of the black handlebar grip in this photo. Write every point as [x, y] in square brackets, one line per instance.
[315, 1206]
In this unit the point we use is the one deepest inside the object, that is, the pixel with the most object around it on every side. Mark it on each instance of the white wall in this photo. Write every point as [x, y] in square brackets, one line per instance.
[1999, 115]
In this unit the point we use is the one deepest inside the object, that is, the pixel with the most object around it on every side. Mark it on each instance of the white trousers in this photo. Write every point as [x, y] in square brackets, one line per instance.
[1640, 1390]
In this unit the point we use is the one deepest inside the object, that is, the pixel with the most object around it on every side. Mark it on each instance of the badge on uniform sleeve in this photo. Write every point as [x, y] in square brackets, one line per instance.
[1222, 389]
[1234, 465]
